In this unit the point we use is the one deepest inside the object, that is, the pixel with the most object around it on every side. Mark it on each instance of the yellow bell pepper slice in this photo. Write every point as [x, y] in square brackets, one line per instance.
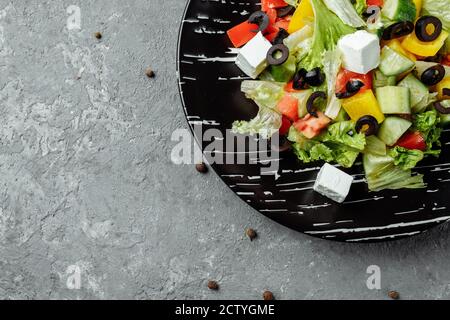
[303, 15]
[424, 49]
[363, 104]
[418, 4]
[444, 84]
[397, 46]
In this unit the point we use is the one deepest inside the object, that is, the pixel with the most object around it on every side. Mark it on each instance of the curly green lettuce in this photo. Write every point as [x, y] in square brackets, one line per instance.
[406, 159]
[328, 29]
[339, 143]
[344, 133]
[428, 125]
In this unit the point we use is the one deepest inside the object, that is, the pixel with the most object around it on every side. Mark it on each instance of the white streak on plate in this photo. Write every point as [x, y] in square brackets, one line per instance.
[364, 200]
[312, 206]
[385, 237]
[390, 226]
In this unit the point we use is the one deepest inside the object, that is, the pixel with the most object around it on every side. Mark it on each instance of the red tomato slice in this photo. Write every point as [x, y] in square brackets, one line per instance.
[272, 4]
[272, 14]
[345, 76]
[285, 126]
[282, 23]
[412, 140]
[242, 33]
[288, 106]
[311, 126]
[378, 3]
[271, 36]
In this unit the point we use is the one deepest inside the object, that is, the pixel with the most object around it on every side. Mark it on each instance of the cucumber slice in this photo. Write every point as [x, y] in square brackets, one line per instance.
[393, 63]
[399, 10]
[381, 80]
[393, 129]
[375, 146]
[394, 100]
[418, 91]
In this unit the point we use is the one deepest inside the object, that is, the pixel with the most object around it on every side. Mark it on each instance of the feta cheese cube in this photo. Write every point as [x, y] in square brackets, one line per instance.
[333, 183]
[360, 51]
[252, 57]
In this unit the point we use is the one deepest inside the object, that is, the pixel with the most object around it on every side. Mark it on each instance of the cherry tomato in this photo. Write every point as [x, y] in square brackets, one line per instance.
[412, 140]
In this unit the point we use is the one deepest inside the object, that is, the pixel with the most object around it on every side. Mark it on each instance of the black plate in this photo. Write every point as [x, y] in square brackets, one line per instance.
[209, 85]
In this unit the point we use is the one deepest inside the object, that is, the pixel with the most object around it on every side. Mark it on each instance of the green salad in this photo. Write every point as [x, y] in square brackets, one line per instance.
[342, 79]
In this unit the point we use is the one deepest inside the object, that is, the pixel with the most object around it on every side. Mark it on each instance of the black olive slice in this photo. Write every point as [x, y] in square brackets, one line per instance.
[261, 19]
[446, 92]
[281, 35]
[299, 80]
[398, 30]
[272, 58]
[421, 28]
[312, 99]
[352, 87]
[440, 108]
[436, 58]
[433, 75]
[369, 121]
[315, 77]
[285, 11]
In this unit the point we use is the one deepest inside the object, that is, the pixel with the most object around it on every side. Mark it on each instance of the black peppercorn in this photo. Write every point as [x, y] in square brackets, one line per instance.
[251, 234]
[201, 167]
[213, 285]
[394, 295]
[267, 295]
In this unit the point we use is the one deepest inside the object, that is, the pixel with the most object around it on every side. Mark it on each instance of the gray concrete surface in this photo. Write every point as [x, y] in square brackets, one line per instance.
[87, 183]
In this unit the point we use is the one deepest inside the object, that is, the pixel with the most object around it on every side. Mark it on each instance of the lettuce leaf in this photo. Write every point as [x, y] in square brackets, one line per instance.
[328, 29]
[404, 158]
[332, 61]
[428, 124]
[346, 12]
[344, 133]
[439, 9]
[335, 145]
[360, 6]
[264, 93]
[381, 174]
[266, 123]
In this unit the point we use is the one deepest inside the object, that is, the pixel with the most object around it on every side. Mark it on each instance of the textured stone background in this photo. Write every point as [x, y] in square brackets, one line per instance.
[87, 181]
